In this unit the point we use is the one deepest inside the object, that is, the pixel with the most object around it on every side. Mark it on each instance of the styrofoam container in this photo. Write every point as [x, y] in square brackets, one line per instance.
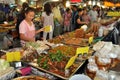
[80, 77]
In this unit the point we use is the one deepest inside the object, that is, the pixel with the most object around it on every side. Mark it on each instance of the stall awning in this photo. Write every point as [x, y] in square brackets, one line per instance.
[74, 1]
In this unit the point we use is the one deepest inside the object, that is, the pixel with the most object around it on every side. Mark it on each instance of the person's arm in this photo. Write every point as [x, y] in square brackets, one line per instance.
[23, 37]
[81, 22]
[42, 17]
[38, 31]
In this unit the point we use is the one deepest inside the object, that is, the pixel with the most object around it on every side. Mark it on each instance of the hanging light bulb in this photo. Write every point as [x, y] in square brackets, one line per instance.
[90, 3]
[23, 0]
[98, 3]
[94, 3]
[67, 3]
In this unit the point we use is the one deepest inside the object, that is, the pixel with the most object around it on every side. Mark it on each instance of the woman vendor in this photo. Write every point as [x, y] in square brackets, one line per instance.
[27, 28]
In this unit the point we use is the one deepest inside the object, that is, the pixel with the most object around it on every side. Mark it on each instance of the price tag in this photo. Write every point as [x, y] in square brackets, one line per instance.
[71, 61]
[48, 28]
[90, 40]
[10, 56]
[13, 56]
[17, 56]
[82, 50]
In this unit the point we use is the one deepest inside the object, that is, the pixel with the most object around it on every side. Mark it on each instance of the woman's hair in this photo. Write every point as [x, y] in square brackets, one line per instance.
[79, 10]
[25, 5]
[29, 9]
[47, 9]
[67, 9]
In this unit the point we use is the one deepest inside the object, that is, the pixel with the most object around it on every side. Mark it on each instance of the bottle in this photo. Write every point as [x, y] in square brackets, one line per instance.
[100, 32]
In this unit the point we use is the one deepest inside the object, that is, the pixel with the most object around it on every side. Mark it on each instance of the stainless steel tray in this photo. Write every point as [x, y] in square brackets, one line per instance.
[60, 76]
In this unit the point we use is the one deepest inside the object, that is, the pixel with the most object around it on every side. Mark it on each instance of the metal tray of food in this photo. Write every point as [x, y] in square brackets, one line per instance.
[58, 69]
[75, 42]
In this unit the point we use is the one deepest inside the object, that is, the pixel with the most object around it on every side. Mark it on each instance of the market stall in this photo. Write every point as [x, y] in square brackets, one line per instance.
[59, 58]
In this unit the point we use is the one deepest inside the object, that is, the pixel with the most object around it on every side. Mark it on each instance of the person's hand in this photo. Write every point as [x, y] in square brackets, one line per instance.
[32, 40]
[86, 23]
[40, 30]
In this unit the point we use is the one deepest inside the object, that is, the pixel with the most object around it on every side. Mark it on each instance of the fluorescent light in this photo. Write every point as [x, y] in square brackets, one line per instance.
[84, 5]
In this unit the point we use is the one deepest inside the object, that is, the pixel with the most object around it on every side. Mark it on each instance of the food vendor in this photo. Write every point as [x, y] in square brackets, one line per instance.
[27, 28]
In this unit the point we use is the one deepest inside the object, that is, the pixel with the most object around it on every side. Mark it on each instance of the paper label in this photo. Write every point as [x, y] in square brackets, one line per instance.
[82, 50]
[13, 56]
[90, 40]
[48, 28]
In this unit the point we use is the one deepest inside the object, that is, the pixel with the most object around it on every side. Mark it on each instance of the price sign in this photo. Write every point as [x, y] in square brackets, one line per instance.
[13, 56]
[71, 61]
[90, 40]
[48, 28]
[10, 56]
[17, 56]
[82, 50]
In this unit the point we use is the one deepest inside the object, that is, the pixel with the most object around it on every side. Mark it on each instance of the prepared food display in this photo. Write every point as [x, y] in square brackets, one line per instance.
[54, 63]
[79, 33]
[66, 50]
[56, 40]
[39, 46]
[76, 41]
[29, 55]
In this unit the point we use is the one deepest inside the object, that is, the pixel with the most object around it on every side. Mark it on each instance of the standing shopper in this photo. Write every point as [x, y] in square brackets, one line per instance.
[74, 14]
[47, 19]
[67, 19]
[93, 13]
[58, 20]
[27, 28]
[85, 16]
[79, 20]
[6, 9]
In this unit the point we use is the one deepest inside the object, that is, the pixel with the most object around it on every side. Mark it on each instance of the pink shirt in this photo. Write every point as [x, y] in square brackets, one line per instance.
[27, 30]
[67, 19]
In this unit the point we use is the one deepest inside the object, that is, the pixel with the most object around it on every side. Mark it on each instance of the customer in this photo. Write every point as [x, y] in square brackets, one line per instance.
[58, 20]
[67, 19]
[79, 21]
[47, 19]
[85, 16]
[74, 14]
[27, 28]
[93, 13]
